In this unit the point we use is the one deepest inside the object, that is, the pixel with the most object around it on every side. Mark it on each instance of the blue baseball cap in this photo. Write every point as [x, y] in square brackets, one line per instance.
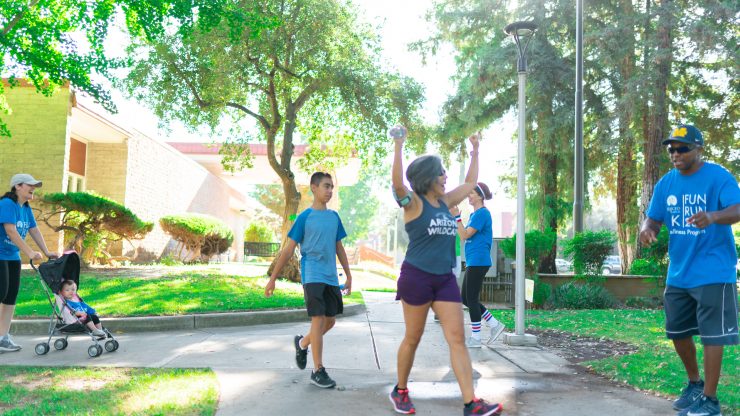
[686, 133]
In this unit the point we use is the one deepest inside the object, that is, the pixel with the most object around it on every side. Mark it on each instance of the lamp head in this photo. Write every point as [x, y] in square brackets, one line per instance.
[520, 29]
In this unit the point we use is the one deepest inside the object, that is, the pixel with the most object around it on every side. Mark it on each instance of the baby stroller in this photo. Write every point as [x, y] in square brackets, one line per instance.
[53, 273]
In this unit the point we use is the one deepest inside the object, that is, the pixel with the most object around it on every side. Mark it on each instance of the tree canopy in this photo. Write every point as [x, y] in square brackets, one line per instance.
[648, 65]
[307, 67]
[52, 42]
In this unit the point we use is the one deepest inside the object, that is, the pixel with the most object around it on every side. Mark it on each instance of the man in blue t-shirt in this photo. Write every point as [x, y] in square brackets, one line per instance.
[698, 201]
[319, 232]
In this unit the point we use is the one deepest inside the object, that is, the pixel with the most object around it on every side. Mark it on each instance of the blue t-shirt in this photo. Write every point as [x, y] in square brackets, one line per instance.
[22, 217]
[80, 306]
[478, 247]
[317, 232]
[697, 257]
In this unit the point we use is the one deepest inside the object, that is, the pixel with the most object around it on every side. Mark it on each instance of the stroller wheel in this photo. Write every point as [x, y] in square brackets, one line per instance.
[60, 344]
[111, 345]
[94, 351]
[42, 348]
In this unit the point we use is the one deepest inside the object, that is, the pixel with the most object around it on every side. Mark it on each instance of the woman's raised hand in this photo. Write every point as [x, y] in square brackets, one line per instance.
[398, 133]
[475, 140]
[454, 210]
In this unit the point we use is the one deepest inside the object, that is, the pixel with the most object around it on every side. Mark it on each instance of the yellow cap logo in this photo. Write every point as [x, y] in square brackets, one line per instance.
[680, 132]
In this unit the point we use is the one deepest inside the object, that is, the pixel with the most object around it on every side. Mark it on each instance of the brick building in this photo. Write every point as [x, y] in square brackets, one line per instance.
[72, 147]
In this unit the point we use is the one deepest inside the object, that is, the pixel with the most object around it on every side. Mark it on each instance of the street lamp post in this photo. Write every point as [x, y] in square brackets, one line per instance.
[578, 187]
[522, 32]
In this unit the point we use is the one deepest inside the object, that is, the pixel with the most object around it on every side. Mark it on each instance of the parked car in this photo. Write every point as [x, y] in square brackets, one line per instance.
[612, 265]
[563, 266]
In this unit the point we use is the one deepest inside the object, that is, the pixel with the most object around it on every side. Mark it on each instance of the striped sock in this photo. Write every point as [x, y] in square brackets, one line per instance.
[475, 330]
[490, 320]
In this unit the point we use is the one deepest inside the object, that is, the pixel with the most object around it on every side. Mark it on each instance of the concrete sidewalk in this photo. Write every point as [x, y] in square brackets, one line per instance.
[258, 376]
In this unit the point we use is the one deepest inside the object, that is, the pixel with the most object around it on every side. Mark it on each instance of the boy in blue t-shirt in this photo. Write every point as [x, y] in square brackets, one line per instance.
[319, 232]
[698, 202]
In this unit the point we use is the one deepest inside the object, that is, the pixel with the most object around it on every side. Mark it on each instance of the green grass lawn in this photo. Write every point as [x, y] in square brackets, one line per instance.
[175, 294]
[655, 366]
[107, 391]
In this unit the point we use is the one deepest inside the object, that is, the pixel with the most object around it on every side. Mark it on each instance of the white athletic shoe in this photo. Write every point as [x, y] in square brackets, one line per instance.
[473, 342]
[496, 332]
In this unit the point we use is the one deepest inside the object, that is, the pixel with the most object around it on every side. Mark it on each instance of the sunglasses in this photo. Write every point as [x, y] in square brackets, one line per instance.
[442, 172]
[680, 150]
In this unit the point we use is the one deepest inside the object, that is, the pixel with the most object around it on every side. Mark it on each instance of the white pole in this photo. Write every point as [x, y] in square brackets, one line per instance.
[520, 198]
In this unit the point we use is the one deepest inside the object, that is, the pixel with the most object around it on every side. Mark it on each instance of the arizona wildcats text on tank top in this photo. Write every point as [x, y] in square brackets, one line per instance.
[432, 239]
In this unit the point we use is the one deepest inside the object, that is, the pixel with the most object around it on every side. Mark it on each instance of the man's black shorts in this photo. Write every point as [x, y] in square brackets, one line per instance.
[322, 299]
[708, 311]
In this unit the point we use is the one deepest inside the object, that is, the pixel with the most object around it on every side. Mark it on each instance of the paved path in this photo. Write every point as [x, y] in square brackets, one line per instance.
[258, 376]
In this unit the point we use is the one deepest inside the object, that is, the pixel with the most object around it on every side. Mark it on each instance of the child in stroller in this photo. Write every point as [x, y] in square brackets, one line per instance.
[74, 309]
[70, 315]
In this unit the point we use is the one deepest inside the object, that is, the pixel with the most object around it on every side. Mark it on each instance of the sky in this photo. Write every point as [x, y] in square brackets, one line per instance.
[400, 23]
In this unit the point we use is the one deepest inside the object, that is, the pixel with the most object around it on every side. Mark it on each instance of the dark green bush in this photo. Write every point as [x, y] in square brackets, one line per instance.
[588, 250]
[91, 221]
[536, 244]
[202, 235]
[259, 233]
[646, 267]
[580, 295]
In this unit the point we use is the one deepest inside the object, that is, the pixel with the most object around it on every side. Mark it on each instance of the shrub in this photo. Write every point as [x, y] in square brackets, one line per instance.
[91, 221]
[536, 244]
[202, 235]
[578, 295]
[646, 267]
[259, 233]
[588, 250]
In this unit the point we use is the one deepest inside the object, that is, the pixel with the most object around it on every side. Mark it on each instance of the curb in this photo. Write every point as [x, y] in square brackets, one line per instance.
[185, 322]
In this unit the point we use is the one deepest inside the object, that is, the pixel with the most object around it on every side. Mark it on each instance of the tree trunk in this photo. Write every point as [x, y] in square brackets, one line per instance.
[658, 117]
[291, 271]
[627, 215]
[548, 182]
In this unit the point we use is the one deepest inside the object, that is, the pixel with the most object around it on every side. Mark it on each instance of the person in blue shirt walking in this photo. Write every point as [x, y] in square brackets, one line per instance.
[18, 221]
[319, 232]
[698, 201]
[426, 279]
[477, 237]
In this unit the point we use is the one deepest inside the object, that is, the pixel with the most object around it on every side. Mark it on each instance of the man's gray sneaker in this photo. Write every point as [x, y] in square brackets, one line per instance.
[7, 345]
[704, 406]
[690, 394]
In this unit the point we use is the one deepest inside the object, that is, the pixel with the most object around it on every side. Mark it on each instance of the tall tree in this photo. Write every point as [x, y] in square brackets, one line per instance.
[313, 71]
[487, 90]
[38, 40]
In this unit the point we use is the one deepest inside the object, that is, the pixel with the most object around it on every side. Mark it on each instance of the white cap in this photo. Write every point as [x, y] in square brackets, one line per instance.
[20, 178]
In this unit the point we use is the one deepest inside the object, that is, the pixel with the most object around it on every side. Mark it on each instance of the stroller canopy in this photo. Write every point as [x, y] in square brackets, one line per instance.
[54, 272]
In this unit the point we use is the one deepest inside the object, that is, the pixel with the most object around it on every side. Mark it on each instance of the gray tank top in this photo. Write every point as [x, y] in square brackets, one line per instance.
[432, 239]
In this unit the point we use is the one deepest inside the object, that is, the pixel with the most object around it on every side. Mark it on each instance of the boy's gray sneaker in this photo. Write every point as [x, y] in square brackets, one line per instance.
[704, 406]
[690, 394]
[7, 345]
[321, 379]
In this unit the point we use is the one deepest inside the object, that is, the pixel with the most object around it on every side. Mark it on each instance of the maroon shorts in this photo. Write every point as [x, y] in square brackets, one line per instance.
[417, 287]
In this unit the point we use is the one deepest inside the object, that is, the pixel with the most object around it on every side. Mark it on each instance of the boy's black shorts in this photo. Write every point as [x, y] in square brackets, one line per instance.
[322, 299]
[708, 311]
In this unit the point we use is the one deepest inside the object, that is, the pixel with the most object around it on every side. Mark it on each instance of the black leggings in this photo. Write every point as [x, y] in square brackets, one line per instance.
[472, 284]
[92, 317]
[10, 281]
